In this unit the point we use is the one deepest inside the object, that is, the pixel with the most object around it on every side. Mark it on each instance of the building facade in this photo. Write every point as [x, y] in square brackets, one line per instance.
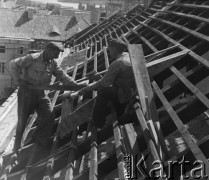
[23, 32]
[10, 48]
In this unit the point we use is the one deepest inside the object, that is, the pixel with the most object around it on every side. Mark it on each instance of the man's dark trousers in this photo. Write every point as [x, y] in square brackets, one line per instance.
[101, 109]
[28, 101]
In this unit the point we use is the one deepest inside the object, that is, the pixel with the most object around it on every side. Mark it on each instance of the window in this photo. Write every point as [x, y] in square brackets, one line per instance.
[20, 50]
[2, 49]
[40, 47]
[2, 68]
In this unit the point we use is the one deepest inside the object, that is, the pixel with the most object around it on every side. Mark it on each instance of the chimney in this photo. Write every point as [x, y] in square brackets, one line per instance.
[30, 13]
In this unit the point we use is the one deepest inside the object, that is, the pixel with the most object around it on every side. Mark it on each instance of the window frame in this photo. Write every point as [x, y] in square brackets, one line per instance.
[2, 49]
[2, 67]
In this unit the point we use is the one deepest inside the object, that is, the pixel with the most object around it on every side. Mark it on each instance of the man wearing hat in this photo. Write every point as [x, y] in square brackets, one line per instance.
[37, 69]
[117, 85]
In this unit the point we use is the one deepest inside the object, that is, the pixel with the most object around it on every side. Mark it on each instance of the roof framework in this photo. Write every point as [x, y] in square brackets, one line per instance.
[171, 72]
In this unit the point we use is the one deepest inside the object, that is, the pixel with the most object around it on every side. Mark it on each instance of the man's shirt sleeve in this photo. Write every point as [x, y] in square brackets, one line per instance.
[62, 76]
[111, 74]
[18, 64]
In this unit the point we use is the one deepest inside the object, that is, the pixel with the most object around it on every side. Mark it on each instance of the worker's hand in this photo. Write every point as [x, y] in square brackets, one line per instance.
[84, 90]
[82, 84]
[74, 95]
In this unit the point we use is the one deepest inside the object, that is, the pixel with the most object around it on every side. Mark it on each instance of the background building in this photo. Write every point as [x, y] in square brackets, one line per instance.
[25, 31]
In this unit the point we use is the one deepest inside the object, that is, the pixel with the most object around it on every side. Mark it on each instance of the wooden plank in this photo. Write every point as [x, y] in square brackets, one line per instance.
[75, 71]
[157, 66]
[154, 49]
[93, 172]
[118, 145]
[91, 50]
[110, 32]
[182, 129]
[191, 87]
[95, 62]
[95, 49]
[85, 67]
[125, 39]
[115, 33]
[105, 37]
[144, 89]
[150, 57]
[147, 136]
[51, 87]
[106, 58]
[101, 46]
[129, 135]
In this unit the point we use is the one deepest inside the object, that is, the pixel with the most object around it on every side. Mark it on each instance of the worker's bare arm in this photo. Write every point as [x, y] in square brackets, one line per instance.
[66, 79]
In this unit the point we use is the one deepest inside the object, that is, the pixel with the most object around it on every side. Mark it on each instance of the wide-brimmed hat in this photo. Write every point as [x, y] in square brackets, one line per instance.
[55, 45]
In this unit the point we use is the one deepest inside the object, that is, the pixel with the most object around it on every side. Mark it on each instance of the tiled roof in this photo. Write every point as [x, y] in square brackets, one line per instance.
[7, 4]
[15, 23]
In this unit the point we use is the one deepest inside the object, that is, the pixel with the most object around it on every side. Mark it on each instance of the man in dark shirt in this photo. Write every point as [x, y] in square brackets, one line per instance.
[116, 86]
[37, 69]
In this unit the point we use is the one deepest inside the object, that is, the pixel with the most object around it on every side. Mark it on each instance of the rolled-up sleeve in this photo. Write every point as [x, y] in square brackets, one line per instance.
[62, 76]
[17, 64]
[109, 76]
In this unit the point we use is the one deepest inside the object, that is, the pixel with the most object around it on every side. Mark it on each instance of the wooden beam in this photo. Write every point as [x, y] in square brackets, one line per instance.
[144, 89]
[182, 129]
[154, 49]
[118, 145]
[147, 136]
[187, 30]
[93, 172]
[180, 14]
[106, 58]
[195, 6]
[159, 53]
[79, 116]
[191, 87]
[191, 53]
